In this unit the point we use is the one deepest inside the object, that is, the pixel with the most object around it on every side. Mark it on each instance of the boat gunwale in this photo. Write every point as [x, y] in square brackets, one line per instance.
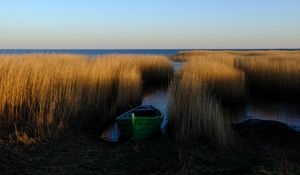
[120, 117]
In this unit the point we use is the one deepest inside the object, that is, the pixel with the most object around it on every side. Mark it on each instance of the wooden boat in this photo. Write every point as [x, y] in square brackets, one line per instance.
[140, 122]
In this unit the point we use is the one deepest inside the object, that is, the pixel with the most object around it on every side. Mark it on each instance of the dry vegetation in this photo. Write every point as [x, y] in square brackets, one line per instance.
[271, 75]
[195, 94]
[44, 95]
[186, 55]
[154, 68]
[218, 76]
[210, 79]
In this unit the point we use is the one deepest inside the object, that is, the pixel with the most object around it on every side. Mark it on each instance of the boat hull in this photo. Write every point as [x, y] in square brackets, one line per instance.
[138, 127]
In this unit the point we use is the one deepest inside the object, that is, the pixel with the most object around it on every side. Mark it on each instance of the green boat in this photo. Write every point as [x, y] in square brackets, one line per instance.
[140, 122]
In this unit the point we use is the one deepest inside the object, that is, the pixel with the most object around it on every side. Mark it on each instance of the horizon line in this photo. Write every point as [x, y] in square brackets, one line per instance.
[150, 49]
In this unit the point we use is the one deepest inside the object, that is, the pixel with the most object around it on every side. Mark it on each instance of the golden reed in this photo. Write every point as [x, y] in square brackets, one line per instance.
[42, 95]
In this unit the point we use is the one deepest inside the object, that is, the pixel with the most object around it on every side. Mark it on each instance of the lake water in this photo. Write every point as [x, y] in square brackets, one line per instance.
[112, 51]
[93, 51]
[157, 95]
[284, 111]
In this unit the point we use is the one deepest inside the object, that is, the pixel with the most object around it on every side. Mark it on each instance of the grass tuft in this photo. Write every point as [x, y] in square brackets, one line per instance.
[196, 94]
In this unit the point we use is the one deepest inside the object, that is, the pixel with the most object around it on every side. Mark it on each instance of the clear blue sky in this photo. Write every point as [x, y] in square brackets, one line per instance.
[121, 24]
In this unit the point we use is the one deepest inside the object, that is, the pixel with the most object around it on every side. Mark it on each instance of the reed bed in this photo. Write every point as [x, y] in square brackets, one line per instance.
[196, 94]
[195, 116]
[43, 95]
[186, 55]
[223, 81]
[272, 75]
[211, 79]
[154, 68]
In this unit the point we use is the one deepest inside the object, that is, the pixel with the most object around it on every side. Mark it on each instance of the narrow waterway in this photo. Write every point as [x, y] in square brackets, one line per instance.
[287, 112]
[157, 95]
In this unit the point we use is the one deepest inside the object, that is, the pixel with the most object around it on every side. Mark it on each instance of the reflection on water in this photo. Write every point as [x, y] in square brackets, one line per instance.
[287, 112]
[177, 65]
[157, 95]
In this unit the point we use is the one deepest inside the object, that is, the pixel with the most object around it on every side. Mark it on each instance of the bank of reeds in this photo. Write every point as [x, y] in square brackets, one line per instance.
[186, 55]
[211, 79]
[272, 75]
[196, 94]
[154, 68]
[43, 95]
[222, 79]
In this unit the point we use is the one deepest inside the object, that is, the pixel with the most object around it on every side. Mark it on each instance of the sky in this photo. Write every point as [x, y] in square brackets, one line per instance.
[149, 24]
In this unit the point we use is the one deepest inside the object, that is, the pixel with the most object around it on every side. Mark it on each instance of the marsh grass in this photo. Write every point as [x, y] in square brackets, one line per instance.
[154, 68]
[196, 117]
[221, 79]
[210, 80]
[268, 72]
[186, 55]
[44, 95]
[272, 76]
[196, 97]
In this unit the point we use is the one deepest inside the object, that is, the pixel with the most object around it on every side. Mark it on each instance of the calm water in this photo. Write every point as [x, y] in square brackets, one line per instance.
[112, 51]
[92, 51]
[157, 95]
[287, 112]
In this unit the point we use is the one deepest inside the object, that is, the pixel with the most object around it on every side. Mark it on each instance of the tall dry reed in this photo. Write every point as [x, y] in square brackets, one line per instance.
[195, 116]
[195, 110]
[209, 78]
[222, 80]
[44, 95]
[272, 75]
[186, 55]
[154, 68]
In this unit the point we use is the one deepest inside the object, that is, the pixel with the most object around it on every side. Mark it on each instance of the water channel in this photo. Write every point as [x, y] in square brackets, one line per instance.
[287, 112]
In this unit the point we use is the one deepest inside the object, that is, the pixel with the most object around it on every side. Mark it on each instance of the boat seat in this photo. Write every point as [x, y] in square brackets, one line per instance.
[146, 112]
